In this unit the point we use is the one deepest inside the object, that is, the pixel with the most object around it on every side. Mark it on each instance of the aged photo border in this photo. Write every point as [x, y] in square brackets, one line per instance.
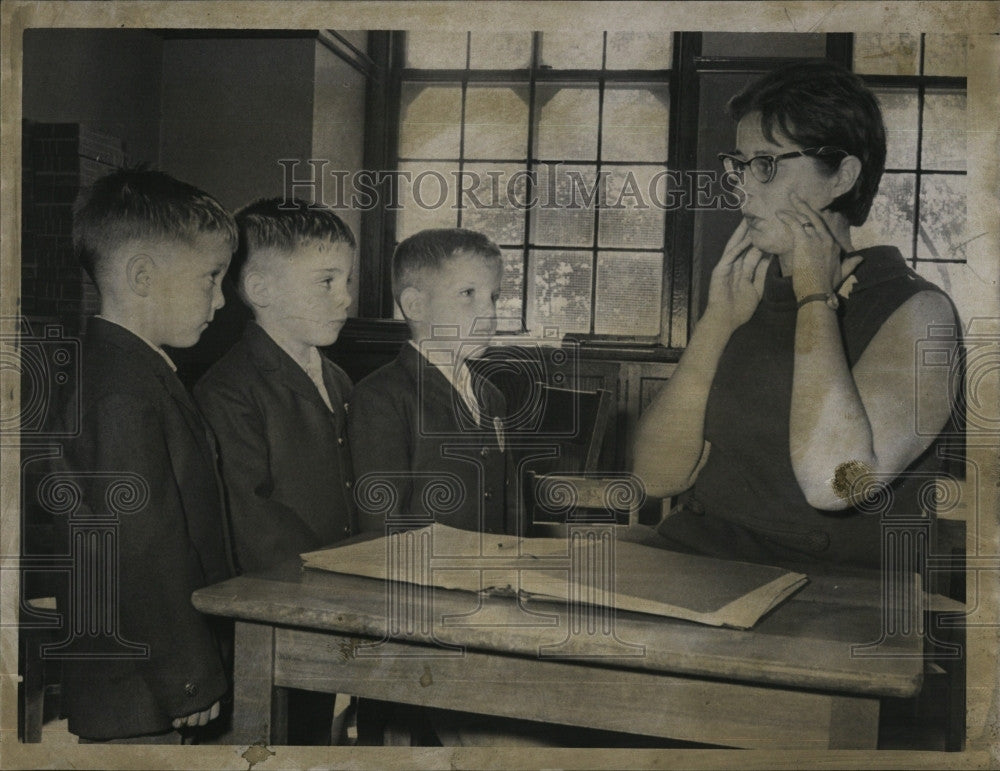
[981, 20]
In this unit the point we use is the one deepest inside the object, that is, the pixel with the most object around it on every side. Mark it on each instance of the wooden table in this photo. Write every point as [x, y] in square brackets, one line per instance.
[791, 682]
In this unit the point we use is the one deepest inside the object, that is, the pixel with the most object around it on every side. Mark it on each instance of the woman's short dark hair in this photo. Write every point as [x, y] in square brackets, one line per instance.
[819, 103]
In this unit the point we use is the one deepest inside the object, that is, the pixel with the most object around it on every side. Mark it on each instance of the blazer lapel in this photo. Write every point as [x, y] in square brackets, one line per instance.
[438, 397]
[192, 415]
[134, 348]
[271, 357]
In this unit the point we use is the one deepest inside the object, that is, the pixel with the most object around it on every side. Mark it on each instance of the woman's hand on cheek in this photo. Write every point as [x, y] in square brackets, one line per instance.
[737, 282]
[816, 267]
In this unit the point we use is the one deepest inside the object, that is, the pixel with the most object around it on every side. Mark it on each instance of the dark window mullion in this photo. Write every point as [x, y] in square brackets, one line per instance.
[461, 133]
[598, 201]
[920, 150]
[528, 187]
[539, 75]
[623, 249]
[926, 172]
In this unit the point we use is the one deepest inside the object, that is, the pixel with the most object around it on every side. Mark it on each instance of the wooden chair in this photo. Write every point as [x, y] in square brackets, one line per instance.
[571, 426]
[944, 691]
[936, 716]
[37, 682]
[559, 500]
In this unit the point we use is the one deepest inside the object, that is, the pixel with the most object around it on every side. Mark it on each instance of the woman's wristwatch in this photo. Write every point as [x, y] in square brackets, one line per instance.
[830, 298]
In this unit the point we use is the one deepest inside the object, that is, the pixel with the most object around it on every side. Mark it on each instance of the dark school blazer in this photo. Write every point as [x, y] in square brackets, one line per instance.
[424, 458]
[284, 455]
[138, 421]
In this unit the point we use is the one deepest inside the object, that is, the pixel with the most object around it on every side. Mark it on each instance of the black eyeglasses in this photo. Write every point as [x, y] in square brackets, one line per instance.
[764, 167]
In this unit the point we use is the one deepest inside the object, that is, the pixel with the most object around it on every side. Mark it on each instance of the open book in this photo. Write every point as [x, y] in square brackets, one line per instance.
[597, 569]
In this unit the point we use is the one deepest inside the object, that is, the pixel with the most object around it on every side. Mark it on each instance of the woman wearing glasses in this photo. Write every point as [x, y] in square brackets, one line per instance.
[800, 415]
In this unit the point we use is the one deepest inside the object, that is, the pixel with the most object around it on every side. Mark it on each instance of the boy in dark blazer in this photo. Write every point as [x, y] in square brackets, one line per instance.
[431, 431]
[275, 403]
[425, 424]
[143, 460]
[278, 406]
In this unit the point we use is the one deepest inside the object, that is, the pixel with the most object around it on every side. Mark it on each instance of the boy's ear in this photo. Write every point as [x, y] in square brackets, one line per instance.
[412, 302]
[139, 273]
[257, 289]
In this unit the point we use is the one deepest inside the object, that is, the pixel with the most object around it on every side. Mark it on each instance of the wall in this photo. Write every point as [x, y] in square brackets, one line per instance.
[232, 108]
[108, 80]
[338, 112]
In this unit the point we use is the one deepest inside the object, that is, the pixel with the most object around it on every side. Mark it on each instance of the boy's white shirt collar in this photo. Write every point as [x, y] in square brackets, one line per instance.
[313, 366]
[460, 379]
[156, 348]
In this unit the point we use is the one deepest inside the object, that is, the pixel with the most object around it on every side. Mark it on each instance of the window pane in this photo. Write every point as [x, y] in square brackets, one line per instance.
[510, 302]
[629, 285]
[567, 123]
[571, 50]
[559, 291]
[493, 201]
[942, 233]
[944, 130]
[496, 122]
[891, 218]
[564, 213]
[640, 50]
[430, 121]
[877, 53]
[635, 124]
[899, 110]
[428, 200]
[500, 50]
[436, 50]
[945, 55]
[632, 214]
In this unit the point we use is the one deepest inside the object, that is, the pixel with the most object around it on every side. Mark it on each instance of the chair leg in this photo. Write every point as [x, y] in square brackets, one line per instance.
[32, 689]
[955, 728]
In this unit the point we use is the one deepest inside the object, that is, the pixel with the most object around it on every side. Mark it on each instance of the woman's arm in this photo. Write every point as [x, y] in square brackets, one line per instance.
[850, 428]
[670, 446]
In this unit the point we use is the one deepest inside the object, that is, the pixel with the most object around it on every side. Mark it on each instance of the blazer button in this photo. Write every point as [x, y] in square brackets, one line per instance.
[488, 495]
[347, 484]
[191, 689]
[340, 441]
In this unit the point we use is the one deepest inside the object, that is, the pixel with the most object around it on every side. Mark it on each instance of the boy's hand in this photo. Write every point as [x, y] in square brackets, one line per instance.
[198, 718]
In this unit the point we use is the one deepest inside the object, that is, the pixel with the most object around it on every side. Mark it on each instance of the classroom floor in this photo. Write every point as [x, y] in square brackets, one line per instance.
[901, 727]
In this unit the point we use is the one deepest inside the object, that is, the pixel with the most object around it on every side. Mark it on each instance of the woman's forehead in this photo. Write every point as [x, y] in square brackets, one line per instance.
[750, 138]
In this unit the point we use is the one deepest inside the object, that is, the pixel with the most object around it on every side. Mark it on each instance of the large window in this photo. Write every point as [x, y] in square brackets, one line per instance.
[920, 82]
[555, 146]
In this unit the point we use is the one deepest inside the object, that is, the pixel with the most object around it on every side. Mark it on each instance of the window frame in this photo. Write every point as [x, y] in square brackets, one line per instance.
[921, 83]
[379, 226]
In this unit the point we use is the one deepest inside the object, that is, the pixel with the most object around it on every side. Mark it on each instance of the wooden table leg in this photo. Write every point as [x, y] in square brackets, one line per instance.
[257, 714]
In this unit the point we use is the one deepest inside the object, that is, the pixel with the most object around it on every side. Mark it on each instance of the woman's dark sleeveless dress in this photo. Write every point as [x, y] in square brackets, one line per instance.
[746, 503]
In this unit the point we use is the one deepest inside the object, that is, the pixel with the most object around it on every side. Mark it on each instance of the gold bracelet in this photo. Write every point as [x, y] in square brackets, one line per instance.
[827, 297]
